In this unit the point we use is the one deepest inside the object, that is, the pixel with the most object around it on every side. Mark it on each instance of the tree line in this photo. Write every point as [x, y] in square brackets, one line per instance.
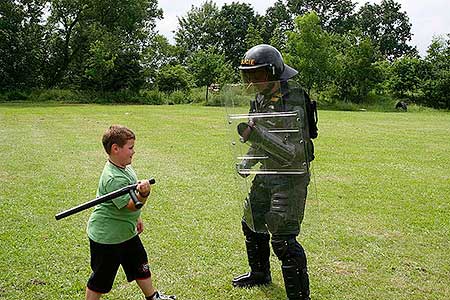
[107, 46]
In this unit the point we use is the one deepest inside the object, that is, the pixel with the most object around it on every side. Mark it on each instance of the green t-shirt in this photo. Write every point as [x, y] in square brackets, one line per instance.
[112, 222]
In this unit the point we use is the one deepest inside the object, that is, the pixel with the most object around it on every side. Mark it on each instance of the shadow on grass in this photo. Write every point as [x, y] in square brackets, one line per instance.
[273, 291]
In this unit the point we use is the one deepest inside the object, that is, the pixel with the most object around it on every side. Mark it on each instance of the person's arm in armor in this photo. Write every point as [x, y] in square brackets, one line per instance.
[285, 151]
[251, 157]
[279, 149]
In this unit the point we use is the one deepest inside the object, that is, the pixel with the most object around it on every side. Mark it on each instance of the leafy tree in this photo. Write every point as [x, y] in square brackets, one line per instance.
[357, 71]
[21, 37]
[64, 38]
[336, 16]
[75, 26]
[406, 77]
[159, 53]
[436, 87]
[208, 67]
[199, 29]
[223, 29]
[100, 63]
[276, 22]
[279, 39]
[309, 50]
[174, 78]
[108, 69]
[128, 72]
[236, 19]
[388, 28]
[253, 37]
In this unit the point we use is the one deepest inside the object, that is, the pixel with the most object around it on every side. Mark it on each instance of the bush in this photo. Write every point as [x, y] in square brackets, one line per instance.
[178, 97]
[197, 95]
[174, 78]
[437, 91]
[123, 96]
[152, 97]
[57, 95]
[13, 96]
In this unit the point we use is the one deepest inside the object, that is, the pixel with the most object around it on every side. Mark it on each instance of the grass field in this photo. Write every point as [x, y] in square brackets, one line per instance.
[376, 226]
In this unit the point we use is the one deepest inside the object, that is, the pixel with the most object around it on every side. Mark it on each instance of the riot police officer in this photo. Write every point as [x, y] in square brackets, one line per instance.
[275, 204]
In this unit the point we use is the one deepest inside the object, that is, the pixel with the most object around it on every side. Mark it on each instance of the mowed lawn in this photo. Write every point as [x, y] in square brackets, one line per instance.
[376, 226]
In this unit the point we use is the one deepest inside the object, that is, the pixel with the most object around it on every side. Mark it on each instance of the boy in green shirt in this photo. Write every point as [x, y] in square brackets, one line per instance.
[114, 226]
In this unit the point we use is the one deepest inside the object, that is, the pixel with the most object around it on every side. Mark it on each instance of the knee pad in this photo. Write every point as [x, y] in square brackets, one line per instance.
[289, 251]
[280, 247]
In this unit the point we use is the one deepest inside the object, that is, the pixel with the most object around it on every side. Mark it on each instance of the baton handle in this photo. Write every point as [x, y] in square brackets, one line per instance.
[138, 204]
[130, 189]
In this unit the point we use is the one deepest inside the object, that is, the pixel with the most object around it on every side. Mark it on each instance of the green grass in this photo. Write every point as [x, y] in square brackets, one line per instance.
[376, 226]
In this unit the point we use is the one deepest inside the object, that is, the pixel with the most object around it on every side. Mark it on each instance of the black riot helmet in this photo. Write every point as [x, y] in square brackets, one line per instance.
[265, 63]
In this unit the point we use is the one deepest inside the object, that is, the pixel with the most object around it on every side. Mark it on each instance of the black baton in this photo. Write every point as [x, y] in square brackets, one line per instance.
[130, 189]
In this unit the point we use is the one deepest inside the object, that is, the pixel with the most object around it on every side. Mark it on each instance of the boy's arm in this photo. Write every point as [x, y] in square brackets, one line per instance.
[143, 189]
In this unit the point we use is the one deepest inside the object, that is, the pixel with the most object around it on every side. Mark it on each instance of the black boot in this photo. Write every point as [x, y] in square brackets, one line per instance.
[258, 253]
[293, 266]
[296, 281]
[251, 279]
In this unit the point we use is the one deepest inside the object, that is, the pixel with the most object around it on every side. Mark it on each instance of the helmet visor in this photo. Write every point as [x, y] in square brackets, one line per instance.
[255, 75]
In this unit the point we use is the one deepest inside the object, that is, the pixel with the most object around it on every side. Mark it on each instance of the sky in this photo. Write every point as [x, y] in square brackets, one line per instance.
[428, 18]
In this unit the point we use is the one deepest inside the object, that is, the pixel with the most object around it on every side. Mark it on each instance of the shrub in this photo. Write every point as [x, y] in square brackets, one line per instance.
[152, 97]
[57, 95]
[15, 96]
[197, 95]
[178, 97]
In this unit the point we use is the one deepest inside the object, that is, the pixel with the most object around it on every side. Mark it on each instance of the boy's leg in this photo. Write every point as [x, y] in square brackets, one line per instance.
[91, 295]
[105, 262]
[136, 267]
[146, 286]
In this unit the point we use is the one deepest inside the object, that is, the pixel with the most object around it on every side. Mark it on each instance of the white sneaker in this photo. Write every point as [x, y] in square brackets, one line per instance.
[161, 296]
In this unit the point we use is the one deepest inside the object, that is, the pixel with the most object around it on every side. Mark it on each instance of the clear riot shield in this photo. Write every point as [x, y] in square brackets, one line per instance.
[267, 127]
[268, 137]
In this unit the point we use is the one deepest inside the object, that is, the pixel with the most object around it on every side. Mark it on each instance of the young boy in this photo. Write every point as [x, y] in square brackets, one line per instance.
[114, 226]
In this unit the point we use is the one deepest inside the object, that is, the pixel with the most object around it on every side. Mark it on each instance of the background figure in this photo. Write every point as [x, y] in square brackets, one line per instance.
[275, 204]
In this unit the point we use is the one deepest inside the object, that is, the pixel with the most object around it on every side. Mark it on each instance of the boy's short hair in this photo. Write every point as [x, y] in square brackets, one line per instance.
[116, 134]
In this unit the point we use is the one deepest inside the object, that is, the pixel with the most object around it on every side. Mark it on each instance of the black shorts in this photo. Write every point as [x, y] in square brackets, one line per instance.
[106, 259]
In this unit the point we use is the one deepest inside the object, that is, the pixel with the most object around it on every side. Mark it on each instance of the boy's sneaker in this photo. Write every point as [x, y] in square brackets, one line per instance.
[161, 296]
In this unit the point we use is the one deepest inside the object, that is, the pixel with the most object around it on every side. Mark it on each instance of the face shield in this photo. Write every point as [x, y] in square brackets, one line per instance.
[254, 75]
[259, 79]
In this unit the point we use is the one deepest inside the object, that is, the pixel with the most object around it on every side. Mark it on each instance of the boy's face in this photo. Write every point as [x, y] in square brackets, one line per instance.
[123, 155]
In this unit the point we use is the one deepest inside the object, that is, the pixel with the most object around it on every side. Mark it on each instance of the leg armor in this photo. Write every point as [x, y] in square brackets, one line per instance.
[287, 204]
[258, 253]
[293, 265]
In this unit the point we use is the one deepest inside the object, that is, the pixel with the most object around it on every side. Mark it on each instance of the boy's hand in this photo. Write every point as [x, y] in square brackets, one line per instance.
[140, 226]
[144, 188]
